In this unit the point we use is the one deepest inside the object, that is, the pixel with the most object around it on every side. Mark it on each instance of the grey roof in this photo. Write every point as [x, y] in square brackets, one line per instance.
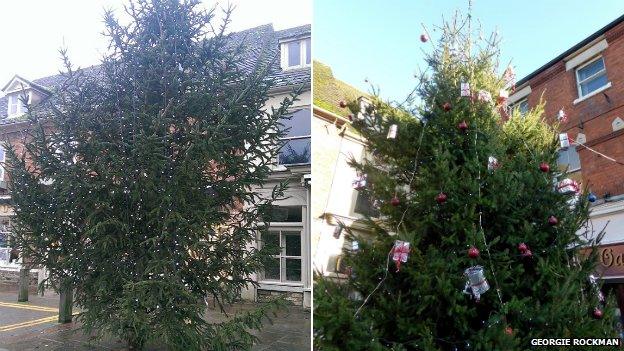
[254, 40]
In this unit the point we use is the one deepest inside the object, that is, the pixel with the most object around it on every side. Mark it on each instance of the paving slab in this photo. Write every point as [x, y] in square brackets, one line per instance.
[27, 329]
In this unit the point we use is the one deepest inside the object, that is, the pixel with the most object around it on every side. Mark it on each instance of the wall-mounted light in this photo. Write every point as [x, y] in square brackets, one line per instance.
[338, 231]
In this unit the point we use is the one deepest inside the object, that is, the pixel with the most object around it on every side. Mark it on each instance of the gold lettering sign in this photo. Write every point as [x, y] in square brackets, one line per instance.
[610, 260]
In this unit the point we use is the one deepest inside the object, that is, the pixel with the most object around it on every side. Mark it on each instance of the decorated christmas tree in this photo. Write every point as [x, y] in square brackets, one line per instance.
[478, 242]
[136, 184]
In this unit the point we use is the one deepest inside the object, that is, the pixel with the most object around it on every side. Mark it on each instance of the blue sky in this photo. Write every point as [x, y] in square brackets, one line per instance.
[379, 40]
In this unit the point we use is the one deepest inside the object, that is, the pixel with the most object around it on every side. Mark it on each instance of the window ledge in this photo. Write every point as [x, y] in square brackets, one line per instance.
[278, 168]
[294, 68]
[597, 91]
[280, 286]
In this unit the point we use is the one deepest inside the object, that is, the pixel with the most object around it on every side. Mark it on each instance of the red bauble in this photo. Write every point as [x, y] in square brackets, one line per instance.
[441, 198]
[552, 220]
[424, 38]
[597, 313]
[508, 331]
[395, 201]
[522, 247]
[527, 253]
[544, 167]
[446, 106]
[463, 126]
[342, 103]
[473, 252]
[351, 117]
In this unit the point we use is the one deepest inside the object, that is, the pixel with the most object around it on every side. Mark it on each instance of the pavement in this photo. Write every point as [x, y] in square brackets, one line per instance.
[33, 326]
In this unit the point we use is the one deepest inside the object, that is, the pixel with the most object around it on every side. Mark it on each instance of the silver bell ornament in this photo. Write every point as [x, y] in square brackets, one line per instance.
[593, 281]
[476, 284]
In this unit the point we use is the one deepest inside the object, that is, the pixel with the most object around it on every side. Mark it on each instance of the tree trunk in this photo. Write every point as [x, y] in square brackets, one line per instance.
[24, 283]
[65, 304]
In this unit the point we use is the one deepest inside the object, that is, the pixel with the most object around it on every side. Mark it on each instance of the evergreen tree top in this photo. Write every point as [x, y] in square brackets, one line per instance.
[254, 40]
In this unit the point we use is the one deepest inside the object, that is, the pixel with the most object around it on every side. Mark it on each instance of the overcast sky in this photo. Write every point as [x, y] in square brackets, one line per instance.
[34, 30]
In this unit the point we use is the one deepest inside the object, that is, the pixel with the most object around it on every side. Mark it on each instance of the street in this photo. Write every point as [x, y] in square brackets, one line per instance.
[33, 326]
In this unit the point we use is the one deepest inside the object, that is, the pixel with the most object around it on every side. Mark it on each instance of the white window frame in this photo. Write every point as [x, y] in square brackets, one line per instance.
[14, 100]
[598, 74]
[303, 50]
[287, 139]
[516, 105]
[279, 228]
[5, 229]
[6, 250]
[2, 162]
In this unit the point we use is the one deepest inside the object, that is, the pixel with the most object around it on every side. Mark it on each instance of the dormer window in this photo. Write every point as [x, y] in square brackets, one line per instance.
[20, 93]
[16, 105]
[296, 53]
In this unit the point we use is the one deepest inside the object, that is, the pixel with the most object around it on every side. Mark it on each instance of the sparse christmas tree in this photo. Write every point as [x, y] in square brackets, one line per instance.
[136, 184]
[476, 248]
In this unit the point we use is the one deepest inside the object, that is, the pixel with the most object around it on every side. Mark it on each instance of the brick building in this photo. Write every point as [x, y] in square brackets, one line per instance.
[586, 82]
[289, 273]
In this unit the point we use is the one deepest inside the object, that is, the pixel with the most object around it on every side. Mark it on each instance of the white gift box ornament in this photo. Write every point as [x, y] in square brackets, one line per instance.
[400, 252]
[392, 131]
[568, 186]
[484, 96]
[509, 76]
[476, 285]
[364, 105]
[465, 89]
[561, 116]
[360, 182]
[503, 95]
[564, 141]
[492, 163]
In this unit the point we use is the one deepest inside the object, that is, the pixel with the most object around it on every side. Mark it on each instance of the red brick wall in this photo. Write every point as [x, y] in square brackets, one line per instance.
[558, 89]
[15, 134]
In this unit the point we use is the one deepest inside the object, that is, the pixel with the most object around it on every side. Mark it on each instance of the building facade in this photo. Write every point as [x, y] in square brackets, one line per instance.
[583, 92]
[289, 275]
[337, 208]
